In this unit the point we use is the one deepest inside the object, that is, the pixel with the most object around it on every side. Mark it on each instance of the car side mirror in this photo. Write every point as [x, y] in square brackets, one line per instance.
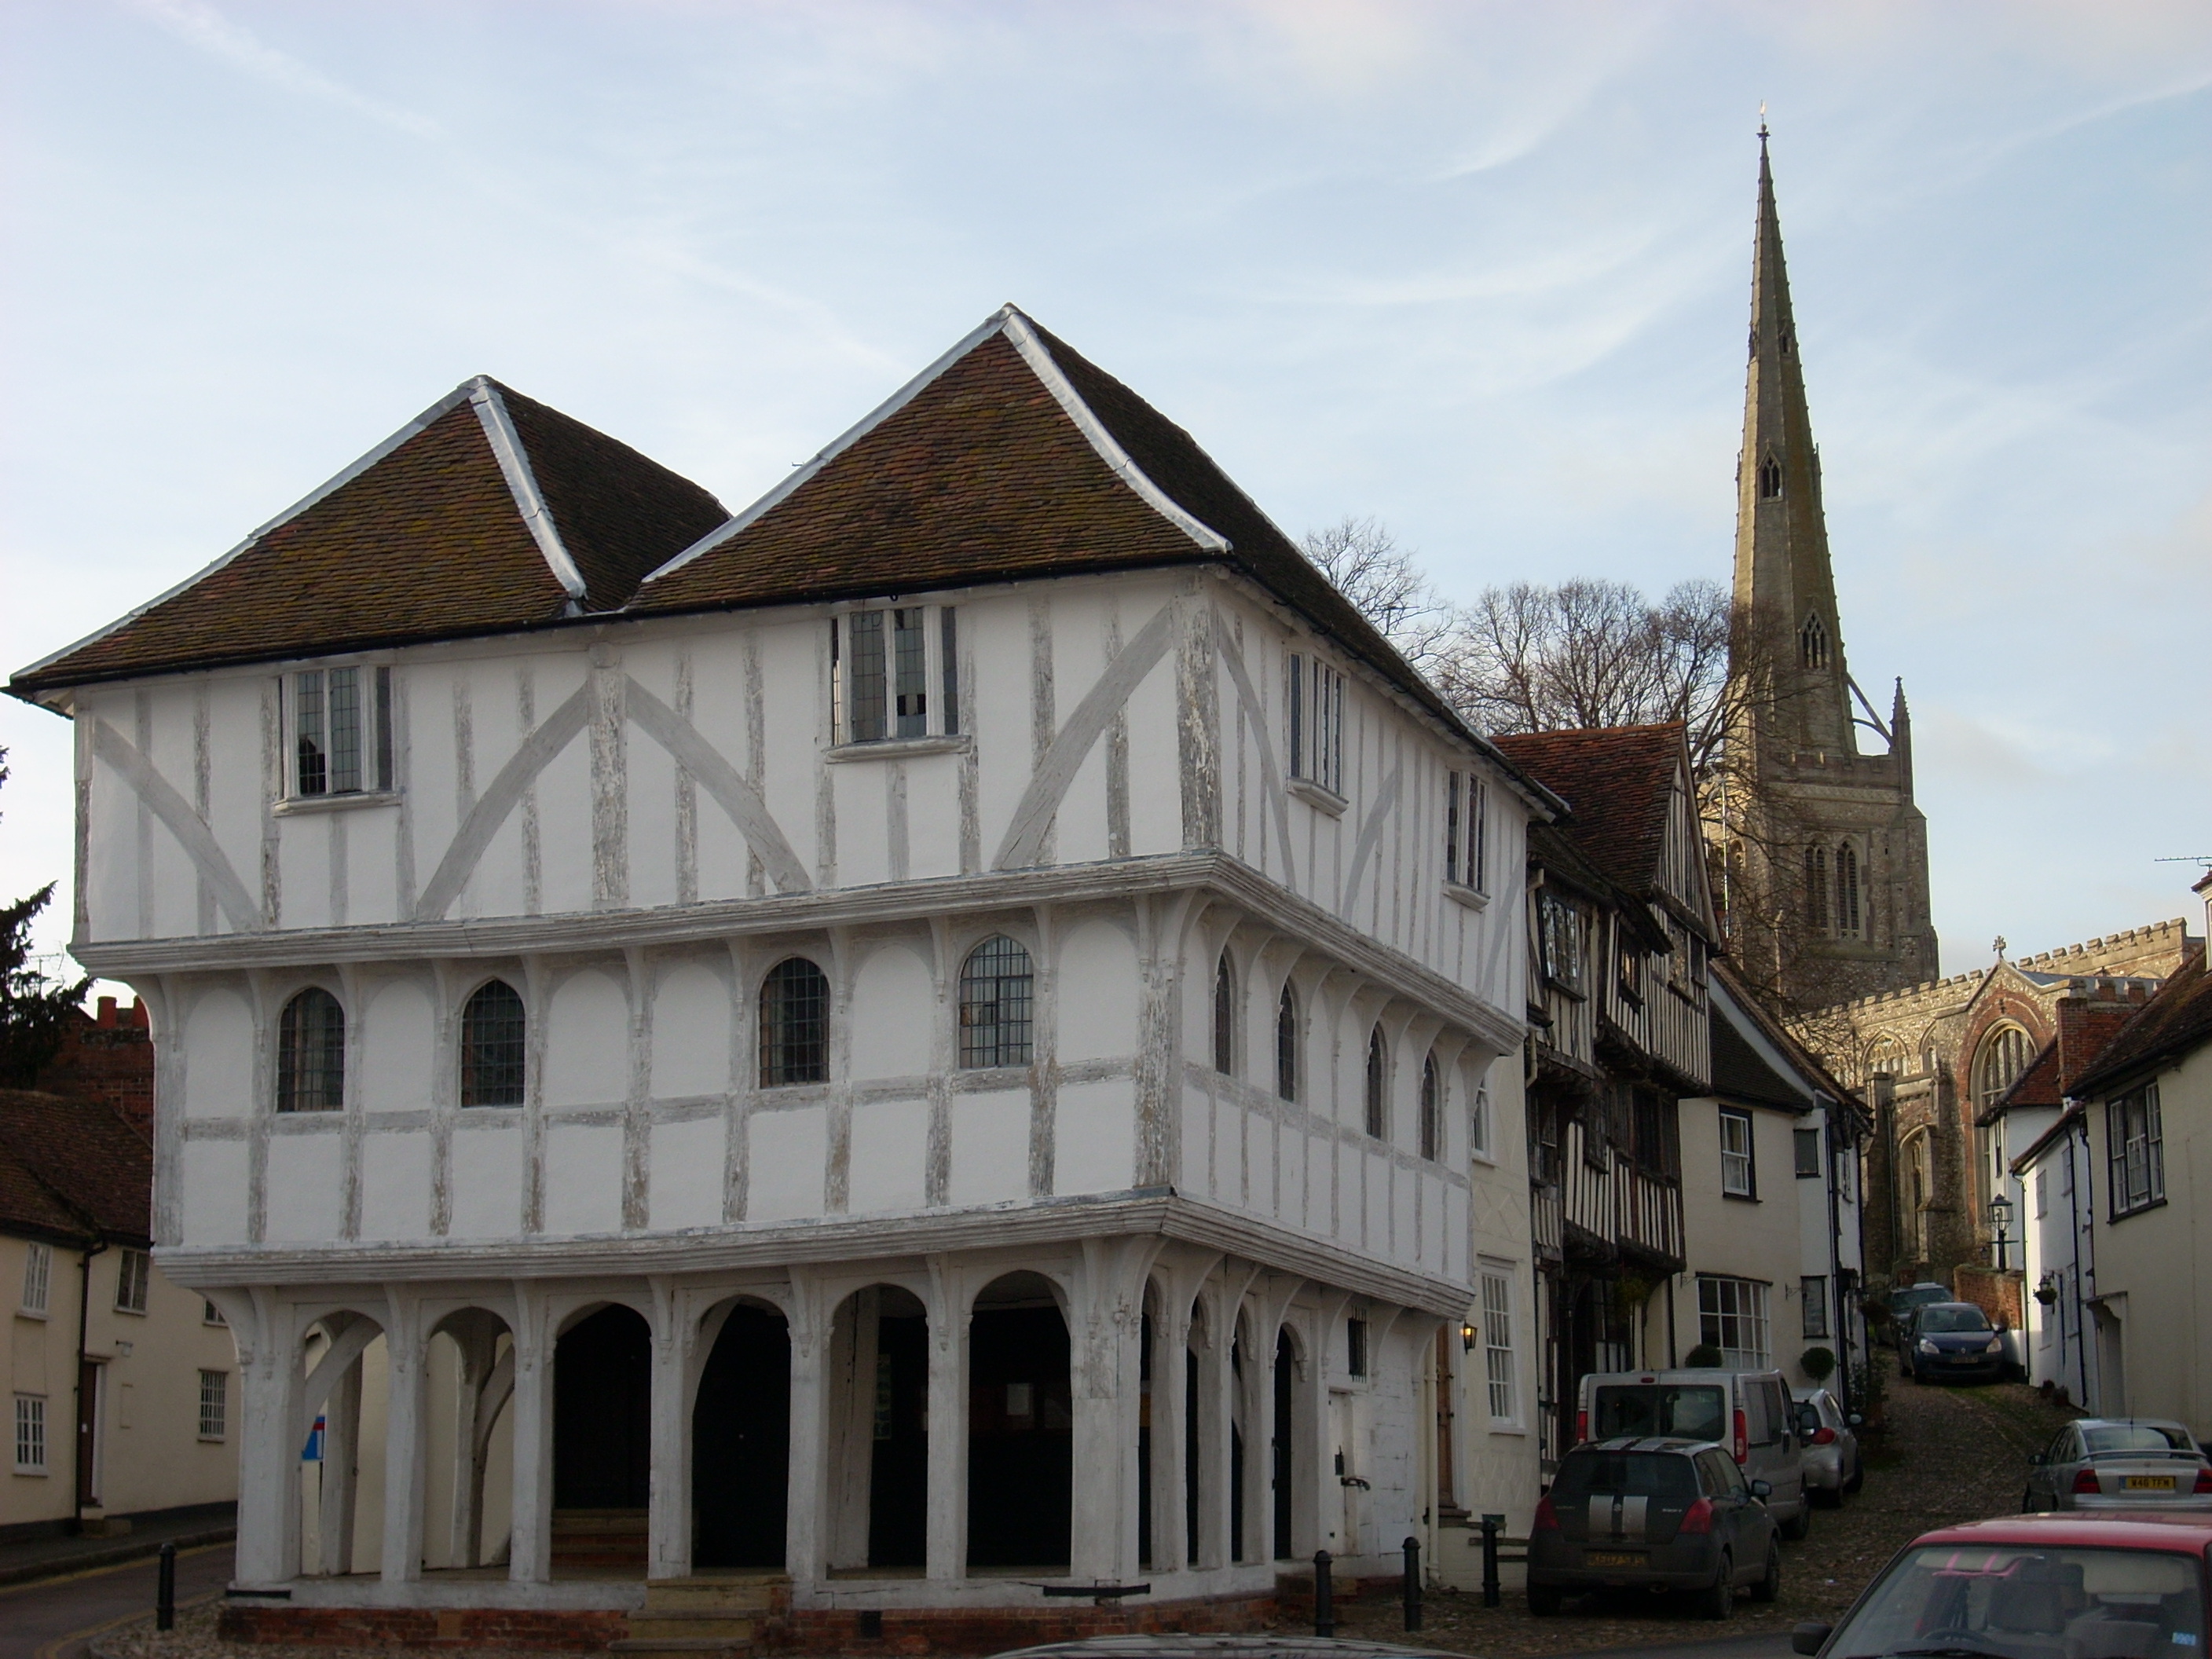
[1808, 1638]
[1856, 1420]
[1762, 1489]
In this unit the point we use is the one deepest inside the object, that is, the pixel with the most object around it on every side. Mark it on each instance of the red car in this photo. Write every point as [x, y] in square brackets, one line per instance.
[2117, 1586]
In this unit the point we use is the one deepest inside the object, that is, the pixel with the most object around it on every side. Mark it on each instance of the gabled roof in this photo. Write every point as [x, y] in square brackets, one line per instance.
[2172, 1024]
[72, 1170]
[487, 512]
[1742, 1074]
[1617, 783]
[1734, 1003]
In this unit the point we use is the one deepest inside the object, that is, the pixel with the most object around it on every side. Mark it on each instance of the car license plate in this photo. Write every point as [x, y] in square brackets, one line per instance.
[2146, 1483]
[1966, 1359]
[1612, 1559]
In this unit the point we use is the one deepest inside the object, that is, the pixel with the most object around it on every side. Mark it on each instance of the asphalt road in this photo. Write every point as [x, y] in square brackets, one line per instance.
[50, 1620]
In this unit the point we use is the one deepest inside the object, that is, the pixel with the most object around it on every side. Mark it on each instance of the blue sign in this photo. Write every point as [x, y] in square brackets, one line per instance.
[313, 1452]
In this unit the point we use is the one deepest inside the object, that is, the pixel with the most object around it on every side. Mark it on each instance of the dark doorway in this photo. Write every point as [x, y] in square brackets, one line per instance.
[741, 1443]
[898, 1476]
[603, 1412]
[1021, 1428]
[1236, 1453]
[1145, 1442]
[88, 1430]
[1286, 1372]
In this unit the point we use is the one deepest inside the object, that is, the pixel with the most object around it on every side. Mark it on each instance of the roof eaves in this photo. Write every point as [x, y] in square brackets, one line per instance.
[522, 484]
[18, 683]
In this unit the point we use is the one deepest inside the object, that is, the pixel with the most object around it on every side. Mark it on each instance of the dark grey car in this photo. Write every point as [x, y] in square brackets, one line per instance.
[1653, 1514]
[1950, 1339]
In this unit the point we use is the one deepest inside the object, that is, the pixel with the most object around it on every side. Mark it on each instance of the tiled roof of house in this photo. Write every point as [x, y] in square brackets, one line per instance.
[1742, 1073]
[2172, 1023]
[2036, 1086]
[1616, 782]
[73, 1168]
[488, 513]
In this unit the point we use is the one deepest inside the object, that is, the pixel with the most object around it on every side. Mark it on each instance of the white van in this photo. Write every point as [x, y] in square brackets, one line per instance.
[1749, 1413]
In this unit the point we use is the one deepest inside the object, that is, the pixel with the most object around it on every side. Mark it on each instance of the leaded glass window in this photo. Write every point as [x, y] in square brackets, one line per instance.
[492, 1032]
[794, 1025]
[997, 995]
[311, 1053]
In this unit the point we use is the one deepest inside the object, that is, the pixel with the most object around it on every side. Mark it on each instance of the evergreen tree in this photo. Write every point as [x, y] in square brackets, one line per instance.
[33, 1008]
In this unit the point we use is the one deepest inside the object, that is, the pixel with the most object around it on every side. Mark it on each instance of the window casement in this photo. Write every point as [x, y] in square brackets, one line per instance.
[1805, 1146]
[1224, 1016]
[998, 992]
[894, 673]
[133, 1269]
[38, 1278]
[2137, 1141]
[1739, 1177]
[493, 1029]
[341, 725]
[1630, 965]
[794, 1025]
[1812, 1293]
[1770, 477]
[1432, 1110]
[1314, 697]
[1355, 1347]
[1377, 1094]
[30, 1434]
[1286, 1045]
[1732, 1317]
[1816, 889]
[1847, 890]
[1813, 642]
[1560, 933]
[1466, 831]
[1498, 1366]
[311, 1053]
[214, 1405]
[211, 1314]
[1478, 1122]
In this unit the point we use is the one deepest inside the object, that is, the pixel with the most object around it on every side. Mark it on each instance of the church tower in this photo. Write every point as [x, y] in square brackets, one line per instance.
[1826, 856]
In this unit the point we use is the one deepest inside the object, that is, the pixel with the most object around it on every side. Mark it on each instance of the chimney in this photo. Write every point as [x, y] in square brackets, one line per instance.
[2090, 1015]
[139, 1015]
[106, 1011]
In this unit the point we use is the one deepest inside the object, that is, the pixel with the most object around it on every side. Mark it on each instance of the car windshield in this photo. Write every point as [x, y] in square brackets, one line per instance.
[2029, 1601]
[2135, 1437]
[1648, 1474]
[1642, 1410]
[1938, 1320]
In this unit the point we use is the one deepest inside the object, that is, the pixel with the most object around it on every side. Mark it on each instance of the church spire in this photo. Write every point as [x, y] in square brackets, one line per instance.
[1783, 576]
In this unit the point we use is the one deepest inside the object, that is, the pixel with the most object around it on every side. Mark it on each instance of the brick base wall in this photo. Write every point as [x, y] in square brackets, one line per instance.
[570, 1629]
[964, 1630]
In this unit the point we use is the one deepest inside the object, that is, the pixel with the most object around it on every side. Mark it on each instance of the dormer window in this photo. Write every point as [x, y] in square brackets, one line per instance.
[1769, 479]
[1813, 642]
[340, 721]
[1314, 695]
[894, 675]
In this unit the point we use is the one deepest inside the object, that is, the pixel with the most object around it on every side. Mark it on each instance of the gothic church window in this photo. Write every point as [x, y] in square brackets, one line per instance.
[997, 997]
[1431, 1110]
[2004, 1056]
[1224, 1016]
[794, 1025]
[311, 1053]
[1847, 890]
[492, 1032]
[1813, 642]
[1816, 889]
[1286, 1045]
[1769, 478]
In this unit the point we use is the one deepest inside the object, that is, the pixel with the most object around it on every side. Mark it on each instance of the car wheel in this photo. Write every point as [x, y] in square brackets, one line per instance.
[1828, 1497]
[1718, 1602]
[1545, 1600]
[1857, 1479]
[1770, 1584]
[1799, 1524]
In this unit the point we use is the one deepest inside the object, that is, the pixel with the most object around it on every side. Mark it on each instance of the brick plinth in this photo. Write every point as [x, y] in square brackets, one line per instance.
[585, 1630]
[966, 1631]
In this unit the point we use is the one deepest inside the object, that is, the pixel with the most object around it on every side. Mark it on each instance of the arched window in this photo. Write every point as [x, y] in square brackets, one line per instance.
[1885, 1057]
[1286, 1045]
[1813, 641]
[1224, 1016]
[1919, 1192]
[997, 988]
[1378, 1119]
[1432, 1110]
[1847, 890]
[2001, 1058]
[1816, 889]
[492, 1046]
[794, 1025]
[1769, 478]
[311, 1053]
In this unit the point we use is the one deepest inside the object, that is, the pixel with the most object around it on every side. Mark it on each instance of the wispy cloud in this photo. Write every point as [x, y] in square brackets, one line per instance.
[203, 27]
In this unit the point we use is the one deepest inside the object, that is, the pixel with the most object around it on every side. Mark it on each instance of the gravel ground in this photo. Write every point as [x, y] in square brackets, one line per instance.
[1949, 1455]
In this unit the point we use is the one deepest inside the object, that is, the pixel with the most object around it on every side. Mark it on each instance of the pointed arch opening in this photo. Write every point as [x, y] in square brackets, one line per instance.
[1286, 1045]
[1813, 642]
[1224, 1016]
[1432, 1114]
[2003, 1056]
[1770, 477]
[1377, 1090]
[879, 1441]
[602, 1442]
[1848, 918]
[741, 1442]
[1816, 889]
[1021, 1427]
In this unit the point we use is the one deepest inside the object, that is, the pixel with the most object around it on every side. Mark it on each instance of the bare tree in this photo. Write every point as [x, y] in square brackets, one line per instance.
[1362, 560]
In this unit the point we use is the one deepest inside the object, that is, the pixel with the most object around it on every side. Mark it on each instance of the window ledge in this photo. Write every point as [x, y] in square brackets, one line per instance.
[135, 1313]
[1742, 1198]
[1474, 897]
[35, 1474]
[898, 748]
[32, 1313]
[292, 804]
[2117, 1215]
[1320, 799]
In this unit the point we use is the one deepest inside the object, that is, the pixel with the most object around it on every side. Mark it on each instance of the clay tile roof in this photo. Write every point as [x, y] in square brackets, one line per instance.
[2036, 1086]
[2172, 1023]
[1011, 456]
[73, 1168]
[1617, 782]
[489, 511]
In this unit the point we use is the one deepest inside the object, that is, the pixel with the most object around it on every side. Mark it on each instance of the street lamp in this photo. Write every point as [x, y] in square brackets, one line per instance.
[2001, 1219]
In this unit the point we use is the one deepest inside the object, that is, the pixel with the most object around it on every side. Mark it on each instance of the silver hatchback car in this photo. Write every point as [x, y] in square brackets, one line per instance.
[1832, 1446]
[2120, 1463]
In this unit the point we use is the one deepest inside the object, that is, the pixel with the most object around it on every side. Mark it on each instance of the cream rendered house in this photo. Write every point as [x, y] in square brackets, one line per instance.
[936, 1036]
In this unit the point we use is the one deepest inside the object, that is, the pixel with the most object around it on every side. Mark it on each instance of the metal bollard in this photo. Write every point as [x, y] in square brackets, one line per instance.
[165, 1591]
[1324, 1597]
[1412, 1583]
[1492, 1526]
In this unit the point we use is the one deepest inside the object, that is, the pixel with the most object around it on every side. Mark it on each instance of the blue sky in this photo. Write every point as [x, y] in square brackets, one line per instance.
[1480, 270]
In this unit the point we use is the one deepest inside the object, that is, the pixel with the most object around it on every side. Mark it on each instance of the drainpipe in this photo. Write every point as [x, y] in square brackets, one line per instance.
[1831, 1116]
[77, 1436]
